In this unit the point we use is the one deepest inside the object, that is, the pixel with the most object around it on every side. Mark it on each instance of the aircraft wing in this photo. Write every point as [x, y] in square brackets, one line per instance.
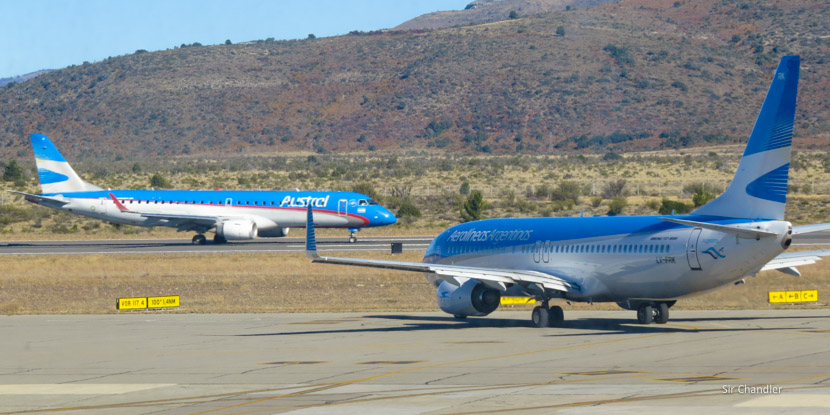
[496, 278]
[185, 222]
[787, 262]
[181, 222]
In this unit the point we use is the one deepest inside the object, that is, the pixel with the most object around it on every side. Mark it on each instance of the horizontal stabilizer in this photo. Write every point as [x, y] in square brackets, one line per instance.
[54, 201]
[744, 232]
[789, 260]
[818, 227]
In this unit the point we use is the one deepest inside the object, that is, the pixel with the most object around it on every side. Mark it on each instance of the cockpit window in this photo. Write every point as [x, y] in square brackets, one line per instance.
[363, 202]
[372, 202]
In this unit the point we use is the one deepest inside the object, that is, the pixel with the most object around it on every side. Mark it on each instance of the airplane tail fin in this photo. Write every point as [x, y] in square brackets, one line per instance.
[759, 189]
[56, 175]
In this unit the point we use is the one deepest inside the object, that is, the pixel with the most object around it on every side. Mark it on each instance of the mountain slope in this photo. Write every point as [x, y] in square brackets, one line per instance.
[641, 74]
[486, 11]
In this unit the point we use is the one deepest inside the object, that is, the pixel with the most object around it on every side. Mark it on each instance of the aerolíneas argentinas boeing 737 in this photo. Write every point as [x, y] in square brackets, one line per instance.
[642, 263]
[231, 214]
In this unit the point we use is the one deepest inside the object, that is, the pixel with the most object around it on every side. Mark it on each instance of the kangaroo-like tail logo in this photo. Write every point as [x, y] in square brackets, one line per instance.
[714, 253]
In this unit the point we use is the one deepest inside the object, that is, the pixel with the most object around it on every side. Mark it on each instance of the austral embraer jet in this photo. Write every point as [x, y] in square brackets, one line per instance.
[231, 214]
[642, 263]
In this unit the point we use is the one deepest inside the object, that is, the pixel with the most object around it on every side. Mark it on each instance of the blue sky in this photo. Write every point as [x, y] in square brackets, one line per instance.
[52, 34]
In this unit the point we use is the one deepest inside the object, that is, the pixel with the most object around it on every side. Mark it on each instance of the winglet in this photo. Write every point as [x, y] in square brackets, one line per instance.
[310, 240]
[118, 204]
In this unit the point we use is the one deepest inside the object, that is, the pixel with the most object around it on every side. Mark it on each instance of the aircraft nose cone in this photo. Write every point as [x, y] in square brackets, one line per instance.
[388, 218]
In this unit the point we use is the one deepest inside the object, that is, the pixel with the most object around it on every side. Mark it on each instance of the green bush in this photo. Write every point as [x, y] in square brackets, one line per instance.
[669, 206]
[616, 206]
[474, 207]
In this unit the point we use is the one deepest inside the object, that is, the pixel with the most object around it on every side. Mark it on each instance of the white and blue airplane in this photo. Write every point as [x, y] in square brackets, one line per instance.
[643, 263]
[230, 214]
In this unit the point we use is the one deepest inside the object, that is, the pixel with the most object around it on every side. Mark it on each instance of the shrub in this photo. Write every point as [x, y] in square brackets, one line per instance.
[614, 189]
[408, 212]
[669, 206]
[13, 172]
[159, 181]
[474, 207]
[616, 206]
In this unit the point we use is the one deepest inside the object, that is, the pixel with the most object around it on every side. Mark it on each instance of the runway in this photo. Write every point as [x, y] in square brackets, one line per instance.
[736, 362]
[180, 246]
[292, 244]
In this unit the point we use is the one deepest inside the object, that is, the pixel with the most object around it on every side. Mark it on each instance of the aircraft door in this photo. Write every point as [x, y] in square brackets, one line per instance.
[342, 207]
[228, 202]
[537, 251]
[102, 205]
[691, 249]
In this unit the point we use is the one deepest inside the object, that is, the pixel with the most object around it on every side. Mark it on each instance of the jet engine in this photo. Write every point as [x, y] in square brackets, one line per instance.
[237, 230]
[472, 298]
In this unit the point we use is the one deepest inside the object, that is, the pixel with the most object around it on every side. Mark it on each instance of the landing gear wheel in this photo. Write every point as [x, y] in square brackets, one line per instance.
[645, 314]
[540, 317]
[662, 313]
[352, 239]
[219, 239]
[556, 317]
[199, 239]
[459, 316]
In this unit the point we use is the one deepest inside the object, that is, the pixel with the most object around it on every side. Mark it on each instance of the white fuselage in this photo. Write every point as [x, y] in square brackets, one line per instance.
[661, 264]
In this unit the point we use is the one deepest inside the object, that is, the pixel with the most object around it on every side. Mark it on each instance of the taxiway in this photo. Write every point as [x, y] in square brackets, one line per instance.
[601, 362]
[290, 244]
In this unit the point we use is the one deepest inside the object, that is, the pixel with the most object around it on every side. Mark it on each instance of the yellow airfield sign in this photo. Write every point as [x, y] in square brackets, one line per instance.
[131, 303]
[517, 300]
[142, 303]
[804, 296]
[163, 302]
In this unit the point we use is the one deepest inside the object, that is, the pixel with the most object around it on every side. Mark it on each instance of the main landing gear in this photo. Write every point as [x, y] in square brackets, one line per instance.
[649, 313]
[201, 239]
[545, 316]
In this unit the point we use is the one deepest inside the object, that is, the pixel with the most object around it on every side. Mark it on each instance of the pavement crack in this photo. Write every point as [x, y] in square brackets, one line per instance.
[445, 378]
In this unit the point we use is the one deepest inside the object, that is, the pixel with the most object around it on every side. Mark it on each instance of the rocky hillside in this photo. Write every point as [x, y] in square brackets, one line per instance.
[486, 11]
[641, 74]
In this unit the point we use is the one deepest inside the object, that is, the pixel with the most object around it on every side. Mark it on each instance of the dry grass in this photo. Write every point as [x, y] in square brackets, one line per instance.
[206, 283]
[245, 283]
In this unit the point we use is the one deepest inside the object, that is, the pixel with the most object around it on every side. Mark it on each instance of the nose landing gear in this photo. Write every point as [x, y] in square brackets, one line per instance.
[353, 236]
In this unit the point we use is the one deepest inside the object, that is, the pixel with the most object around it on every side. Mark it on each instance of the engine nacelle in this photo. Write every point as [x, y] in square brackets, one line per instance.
[470, 299]
[237, 230]
[274, 232]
